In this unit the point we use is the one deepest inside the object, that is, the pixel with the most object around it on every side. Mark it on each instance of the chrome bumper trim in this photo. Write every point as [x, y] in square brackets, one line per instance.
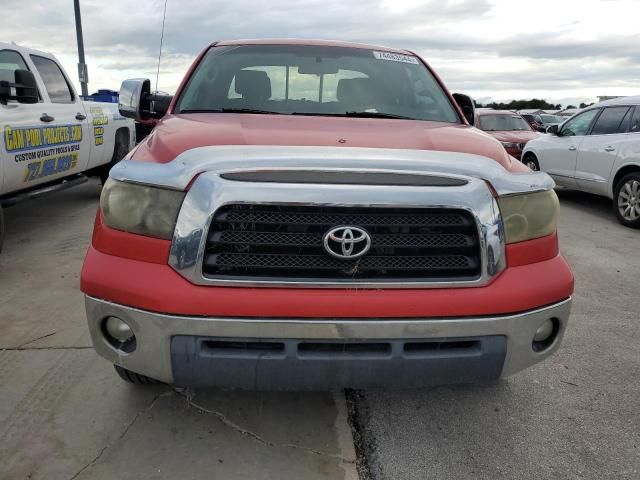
[154, 331]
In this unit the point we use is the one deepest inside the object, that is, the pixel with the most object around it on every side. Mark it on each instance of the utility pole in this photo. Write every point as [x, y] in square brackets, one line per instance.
[83, 74]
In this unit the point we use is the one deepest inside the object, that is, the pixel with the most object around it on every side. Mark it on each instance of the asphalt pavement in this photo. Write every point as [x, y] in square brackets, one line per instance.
[64, 414]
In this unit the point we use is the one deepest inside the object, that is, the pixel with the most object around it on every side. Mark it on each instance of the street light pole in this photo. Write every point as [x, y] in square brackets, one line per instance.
[83, 75]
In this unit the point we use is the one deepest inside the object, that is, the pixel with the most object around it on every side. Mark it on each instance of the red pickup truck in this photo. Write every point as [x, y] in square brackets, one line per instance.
[313, 215]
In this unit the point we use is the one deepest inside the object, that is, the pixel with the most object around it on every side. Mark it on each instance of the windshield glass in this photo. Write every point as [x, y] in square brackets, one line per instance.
[551, 119]
[503, 122]
[315, 80]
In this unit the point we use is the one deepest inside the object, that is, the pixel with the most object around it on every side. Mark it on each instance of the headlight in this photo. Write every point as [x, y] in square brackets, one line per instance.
[529, 215]
[140, 209]
[509, 145]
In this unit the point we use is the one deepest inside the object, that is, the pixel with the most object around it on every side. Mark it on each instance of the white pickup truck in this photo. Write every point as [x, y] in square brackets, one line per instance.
[51, 139]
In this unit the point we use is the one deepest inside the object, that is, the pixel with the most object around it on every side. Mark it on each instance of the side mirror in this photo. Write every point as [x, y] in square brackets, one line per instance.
[26, 88]
[5, 91]
[553, 130]
[136, 100]
[465, 102]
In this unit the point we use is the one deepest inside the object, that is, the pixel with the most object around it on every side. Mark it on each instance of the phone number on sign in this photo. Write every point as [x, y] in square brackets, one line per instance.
[50, 166]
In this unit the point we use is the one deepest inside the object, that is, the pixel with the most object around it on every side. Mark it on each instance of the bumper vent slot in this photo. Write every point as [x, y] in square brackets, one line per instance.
[241, 348]
[454, 346]
[346, 349]
[278, 242]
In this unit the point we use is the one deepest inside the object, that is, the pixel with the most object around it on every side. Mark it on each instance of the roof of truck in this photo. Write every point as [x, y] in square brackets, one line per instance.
[25, 50]
[327, 43]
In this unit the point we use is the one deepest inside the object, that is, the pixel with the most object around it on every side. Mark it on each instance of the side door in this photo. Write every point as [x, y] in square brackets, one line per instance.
[598, 151]
[18, 124]
[59, 132]
[559, 158]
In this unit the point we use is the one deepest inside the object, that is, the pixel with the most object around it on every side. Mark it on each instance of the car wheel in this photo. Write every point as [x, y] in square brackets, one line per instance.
[626, 200]
[1, 228]
[532, 162]
[132, 377]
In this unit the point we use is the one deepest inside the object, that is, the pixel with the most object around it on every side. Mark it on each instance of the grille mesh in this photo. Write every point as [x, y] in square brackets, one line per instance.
[272, 242]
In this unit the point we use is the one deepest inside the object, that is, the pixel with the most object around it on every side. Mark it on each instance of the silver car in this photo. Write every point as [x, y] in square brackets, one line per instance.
[596, 151]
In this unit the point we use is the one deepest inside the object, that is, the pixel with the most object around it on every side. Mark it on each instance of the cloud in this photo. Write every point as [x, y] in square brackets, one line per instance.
[489, 48]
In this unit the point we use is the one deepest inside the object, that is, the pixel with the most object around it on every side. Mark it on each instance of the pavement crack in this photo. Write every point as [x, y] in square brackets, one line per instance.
[122, 435]
[20, 349]
[354, 417]
[36, 339]
[222, 418]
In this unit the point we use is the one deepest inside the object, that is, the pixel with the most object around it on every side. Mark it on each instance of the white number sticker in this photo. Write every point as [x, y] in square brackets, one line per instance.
[395, 57]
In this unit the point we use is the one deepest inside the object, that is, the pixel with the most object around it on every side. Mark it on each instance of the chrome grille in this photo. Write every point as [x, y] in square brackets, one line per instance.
[278, 242]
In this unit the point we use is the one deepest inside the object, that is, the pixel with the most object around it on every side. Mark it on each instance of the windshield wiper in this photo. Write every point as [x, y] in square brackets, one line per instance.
[353, 114]
[376, 115]
[249, 110]
[230, 110]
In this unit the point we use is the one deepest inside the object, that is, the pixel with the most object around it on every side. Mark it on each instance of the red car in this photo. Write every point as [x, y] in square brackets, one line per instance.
[314, 215]
[509, 128]
[534, 121]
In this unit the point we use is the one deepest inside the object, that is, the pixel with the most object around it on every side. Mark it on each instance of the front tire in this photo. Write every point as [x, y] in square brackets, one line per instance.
[134, 378]
[120, 150]
[626, 200]
[531, 161]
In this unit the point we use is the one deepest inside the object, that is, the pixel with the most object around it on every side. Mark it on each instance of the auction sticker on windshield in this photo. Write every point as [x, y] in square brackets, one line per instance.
[395, 57]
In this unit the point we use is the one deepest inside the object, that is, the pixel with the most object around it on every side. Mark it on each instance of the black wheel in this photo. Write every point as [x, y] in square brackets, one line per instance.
[120, 149]
[132, 377]
[1, 228]
[626, 200]
[531, 161]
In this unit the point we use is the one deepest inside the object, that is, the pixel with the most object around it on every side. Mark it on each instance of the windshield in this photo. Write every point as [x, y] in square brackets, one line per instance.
[492, 123]
[551, 119]
[315, 80]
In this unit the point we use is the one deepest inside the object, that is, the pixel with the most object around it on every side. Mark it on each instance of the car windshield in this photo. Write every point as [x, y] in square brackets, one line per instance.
[491, 123]
[315, 80]
[551, 119]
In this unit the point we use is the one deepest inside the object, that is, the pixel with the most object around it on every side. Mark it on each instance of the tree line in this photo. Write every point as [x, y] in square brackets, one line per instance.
[534, 103]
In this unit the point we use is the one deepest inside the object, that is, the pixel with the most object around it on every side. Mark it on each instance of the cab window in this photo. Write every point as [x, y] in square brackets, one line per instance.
[611, 120]
[579, 125]
[10, 61]
[54, 80]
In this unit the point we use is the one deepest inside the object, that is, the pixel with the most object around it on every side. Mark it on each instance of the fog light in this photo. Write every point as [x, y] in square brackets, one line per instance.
[544, 331]
[118, 329]
[545, 335]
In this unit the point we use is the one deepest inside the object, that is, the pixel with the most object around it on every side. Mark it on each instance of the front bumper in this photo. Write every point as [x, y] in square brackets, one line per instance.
[186, 350]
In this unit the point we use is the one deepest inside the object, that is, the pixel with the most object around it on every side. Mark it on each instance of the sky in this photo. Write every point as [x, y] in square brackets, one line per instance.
[565, 51]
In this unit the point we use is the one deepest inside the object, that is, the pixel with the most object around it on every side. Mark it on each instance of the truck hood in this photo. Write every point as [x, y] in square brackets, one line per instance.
[177, 134]
[514, 136]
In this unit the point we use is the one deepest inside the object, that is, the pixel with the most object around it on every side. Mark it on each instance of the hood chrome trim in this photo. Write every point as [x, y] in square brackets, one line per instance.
[178, 173]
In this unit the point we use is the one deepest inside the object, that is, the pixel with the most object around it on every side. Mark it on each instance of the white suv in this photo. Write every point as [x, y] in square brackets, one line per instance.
[596, 151]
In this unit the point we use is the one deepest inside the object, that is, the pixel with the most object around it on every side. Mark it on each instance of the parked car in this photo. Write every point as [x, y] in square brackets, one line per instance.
[313, 215]
[550, 120]
[51, 138]
[511, 129]
[535, 121]
[596, 151]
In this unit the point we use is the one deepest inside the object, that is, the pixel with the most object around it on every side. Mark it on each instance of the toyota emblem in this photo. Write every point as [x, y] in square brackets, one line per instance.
[347, 242]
